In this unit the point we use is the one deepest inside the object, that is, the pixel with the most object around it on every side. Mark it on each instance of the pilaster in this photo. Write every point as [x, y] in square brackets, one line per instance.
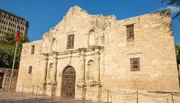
[54, 72]
[97, 53]
[45, 63]
[81, 81]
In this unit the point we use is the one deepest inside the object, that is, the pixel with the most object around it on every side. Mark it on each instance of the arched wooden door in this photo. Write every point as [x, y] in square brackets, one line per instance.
[68, 82]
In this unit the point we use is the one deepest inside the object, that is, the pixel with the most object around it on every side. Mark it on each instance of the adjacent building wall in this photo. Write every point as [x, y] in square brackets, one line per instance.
[6, 78]
[9, 23]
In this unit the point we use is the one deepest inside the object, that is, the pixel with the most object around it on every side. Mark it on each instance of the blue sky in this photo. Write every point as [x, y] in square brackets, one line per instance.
[44, 14]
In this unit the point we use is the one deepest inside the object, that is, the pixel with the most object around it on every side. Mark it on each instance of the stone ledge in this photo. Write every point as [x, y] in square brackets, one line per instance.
[81, 84]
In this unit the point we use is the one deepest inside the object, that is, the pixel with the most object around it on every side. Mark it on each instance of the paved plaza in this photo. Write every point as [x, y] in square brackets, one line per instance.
[8, 97]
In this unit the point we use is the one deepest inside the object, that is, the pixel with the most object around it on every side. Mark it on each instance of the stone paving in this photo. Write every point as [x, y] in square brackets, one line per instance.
[8, 97]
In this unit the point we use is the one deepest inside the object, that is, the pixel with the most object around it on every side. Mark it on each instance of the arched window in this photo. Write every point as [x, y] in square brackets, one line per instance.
[2, 15]
[101, 40]
[53, 44]
[15, 19]
[11, 18]
[90, 71]
[91, 37]
[7, 16]
[50, 71]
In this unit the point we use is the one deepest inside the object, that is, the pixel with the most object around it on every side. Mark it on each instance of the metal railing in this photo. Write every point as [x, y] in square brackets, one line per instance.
[106, 95]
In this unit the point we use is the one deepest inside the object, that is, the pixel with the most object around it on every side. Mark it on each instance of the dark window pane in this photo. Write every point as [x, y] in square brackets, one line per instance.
[70, 41]
[135, 62]
[32, 49]
[30, 70]
[130, 31]
[135, 66]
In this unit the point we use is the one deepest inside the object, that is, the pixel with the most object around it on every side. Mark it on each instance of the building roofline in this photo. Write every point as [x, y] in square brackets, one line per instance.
[1, 10]
[161, 12]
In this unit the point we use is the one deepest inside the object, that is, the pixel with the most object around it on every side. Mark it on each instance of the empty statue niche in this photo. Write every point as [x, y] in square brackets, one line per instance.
[91, 37]
[91, 70]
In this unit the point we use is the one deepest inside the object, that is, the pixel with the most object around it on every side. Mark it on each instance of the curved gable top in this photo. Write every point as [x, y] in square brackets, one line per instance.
[71, 13]
[77, 17]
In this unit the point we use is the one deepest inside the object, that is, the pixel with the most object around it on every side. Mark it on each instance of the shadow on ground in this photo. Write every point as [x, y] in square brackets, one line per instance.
[15, 97]
[43, 100]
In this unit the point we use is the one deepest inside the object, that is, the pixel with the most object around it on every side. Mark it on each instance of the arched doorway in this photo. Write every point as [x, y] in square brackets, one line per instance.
[68, 82]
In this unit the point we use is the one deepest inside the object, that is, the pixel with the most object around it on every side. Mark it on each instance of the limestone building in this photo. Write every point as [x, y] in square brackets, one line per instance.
[9, 23]
[87, 52]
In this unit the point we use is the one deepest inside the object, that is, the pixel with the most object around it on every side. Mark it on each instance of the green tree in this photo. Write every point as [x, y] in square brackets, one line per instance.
[173, 2]
[7, 48]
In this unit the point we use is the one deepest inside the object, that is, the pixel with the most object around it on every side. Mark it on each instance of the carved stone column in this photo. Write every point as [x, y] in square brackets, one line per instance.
[45, 63]
[97, 84]
[82, 66]
[97, 50]
[54, 71]
[81, 82]
[44, 73]
[97, 60]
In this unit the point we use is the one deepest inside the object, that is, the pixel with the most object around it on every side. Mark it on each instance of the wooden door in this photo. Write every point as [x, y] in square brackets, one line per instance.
[68, 82]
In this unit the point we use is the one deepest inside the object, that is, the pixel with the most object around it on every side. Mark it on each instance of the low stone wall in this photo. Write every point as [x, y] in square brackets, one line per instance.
[7, 76]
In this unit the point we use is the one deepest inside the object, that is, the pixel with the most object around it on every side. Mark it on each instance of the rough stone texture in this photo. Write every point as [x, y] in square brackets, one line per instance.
[7, 76]
[109, 54]
[34, 79]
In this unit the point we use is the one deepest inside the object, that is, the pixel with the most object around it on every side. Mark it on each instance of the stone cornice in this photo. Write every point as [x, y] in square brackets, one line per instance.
[82, 49]
[97, 47]
[79, 50]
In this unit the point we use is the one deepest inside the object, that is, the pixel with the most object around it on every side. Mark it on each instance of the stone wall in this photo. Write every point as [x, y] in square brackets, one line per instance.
[28, 59]
[105, 63]
[153, 44]
[7, 76]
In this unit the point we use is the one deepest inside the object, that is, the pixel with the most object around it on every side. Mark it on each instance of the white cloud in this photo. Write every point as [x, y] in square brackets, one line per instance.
[174, 9]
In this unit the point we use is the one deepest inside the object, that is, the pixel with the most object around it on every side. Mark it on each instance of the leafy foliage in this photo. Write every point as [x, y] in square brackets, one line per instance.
[178, 53]
[7, 49]
[173, 2]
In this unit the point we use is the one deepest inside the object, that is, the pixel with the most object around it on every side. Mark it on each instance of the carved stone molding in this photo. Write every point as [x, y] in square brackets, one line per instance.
[45, 56]
[53, 82]
[82, 51]
[43, 82]
[95, 83]
[55, 57]
[81, 84]
[97, 48]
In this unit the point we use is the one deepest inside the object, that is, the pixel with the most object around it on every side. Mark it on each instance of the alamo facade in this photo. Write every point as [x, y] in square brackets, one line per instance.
[87, 52]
